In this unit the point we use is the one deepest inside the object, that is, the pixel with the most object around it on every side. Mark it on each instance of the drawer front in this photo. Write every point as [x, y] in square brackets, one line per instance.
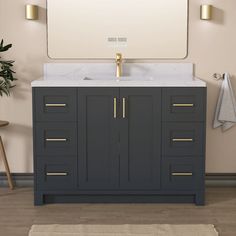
[182, 173]
[56, 139]
[55, 104]
[56, 175]
[184, 104]
[183, 139]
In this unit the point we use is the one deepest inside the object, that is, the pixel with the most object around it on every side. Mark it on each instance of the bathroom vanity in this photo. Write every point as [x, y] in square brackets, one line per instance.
[133, 140]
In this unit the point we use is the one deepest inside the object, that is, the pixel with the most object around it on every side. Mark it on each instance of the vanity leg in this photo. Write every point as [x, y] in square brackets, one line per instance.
[200, 198]
[38, 199]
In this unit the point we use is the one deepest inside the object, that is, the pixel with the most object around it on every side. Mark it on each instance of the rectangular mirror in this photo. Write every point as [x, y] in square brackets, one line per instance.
[98, 29]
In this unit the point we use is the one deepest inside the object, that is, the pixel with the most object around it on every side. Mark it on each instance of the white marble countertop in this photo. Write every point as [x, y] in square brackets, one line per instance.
[164, 81]
[103, 75]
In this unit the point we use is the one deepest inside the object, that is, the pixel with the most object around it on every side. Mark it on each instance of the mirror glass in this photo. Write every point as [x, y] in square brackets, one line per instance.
[98, 29]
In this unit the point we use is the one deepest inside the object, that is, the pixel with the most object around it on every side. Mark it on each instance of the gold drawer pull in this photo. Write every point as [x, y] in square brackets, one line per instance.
[124, 107]
[183, 105]
[56, 139]
[55, 105]
[182, 173]
[182, 139]
[57, 174]
[114, 108]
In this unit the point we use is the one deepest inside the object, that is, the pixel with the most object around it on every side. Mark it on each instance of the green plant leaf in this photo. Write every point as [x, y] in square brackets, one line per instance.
[4, 48]
[6, 72]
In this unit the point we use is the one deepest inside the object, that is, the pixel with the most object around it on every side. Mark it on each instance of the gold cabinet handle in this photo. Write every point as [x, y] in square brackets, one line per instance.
[182, 139]
[56, 139]
[55, 105]
[181, 173]
[114, 108]
[124, 108]
[57, 174]
[182, 104]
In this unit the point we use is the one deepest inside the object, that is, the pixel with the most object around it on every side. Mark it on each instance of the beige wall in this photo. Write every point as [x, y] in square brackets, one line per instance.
[212, 47]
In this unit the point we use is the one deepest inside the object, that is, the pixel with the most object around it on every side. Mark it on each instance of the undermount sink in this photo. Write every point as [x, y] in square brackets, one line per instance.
[123, 78]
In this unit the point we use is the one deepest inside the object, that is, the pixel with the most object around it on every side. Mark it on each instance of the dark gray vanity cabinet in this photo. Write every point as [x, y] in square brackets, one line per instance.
[119, 144]
[119, 133]
[55, 140]
[98, 137]
[140, 138]
[183, 140]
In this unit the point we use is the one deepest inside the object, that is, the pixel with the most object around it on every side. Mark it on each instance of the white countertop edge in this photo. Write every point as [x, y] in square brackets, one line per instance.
[121, 85]
[79, 83]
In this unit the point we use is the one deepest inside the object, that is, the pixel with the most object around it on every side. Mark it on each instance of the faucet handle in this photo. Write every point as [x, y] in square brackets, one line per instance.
[118, 56]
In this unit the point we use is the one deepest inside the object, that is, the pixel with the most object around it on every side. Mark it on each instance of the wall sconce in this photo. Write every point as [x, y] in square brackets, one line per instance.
[206, 12]
[31, 12]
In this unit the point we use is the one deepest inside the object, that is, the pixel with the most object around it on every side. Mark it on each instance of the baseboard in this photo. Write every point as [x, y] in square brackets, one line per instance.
[221, 179]
[19, 179]
[212, 179]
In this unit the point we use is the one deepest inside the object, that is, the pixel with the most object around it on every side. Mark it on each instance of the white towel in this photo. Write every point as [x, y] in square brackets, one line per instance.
[225, 113]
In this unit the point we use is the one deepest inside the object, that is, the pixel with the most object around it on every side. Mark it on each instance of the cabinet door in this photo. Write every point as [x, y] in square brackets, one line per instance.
[140, 126]
[98, 165]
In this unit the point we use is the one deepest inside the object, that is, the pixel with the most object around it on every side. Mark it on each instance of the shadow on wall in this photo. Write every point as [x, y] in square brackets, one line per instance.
[42, 15]
[25, 75]
[29, 65]
[20, 91]
[218, 16]
[25, 136]
[233, 81]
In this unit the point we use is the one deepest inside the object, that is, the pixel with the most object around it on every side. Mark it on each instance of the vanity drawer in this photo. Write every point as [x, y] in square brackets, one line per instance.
[55, 104]
[183, 139]
[184, 104]
[182, 173]
[56, 138]
[56, 175]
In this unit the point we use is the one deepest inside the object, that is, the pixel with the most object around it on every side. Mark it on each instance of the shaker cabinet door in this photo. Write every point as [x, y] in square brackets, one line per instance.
[98, 165]
[140, 134]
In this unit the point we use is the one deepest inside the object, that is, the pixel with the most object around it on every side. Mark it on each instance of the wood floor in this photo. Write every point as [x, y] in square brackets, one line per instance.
[17, 212]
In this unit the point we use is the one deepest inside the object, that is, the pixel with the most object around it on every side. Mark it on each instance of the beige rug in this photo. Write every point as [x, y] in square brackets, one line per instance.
[123, 230]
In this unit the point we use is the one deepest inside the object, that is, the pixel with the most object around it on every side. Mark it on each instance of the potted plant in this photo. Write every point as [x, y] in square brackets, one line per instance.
[6, 72]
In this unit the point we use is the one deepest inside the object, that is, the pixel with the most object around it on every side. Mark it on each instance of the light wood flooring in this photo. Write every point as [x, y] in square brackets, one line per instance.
[17, 212]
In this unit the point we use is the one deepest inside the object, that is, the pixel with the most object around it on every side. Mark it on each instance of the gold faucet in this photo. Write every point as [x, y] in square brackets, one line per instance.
[118, 65]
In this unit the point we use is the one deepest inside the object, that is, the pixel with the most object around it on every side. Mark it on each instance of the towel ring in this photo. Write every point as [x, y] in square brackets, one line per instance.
[218, 76]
